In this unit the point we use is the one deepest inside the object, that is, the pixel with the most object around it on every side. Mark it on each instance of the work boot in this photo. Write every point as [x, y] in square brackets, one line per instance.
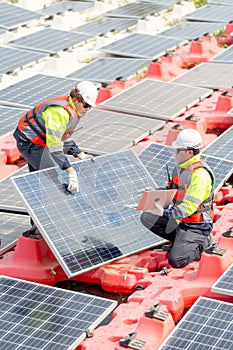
[32, 233]
[210, 240]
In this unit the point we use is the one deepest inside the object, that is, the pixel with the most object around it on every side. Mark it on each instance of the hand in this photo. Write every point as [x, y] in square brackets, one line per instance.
[73, 181]
[157, 210]
[85, 156]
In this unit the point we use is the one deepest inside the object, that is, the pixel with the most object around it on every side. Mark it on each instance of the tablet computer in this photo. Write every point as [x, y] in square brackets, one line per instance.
[161, 197]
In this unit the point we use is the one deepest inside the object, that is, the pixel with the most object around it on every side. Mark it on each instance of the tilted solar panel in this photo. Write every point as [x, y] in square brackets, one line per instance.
[221, 147]
[225, 56]
[9, 119]
[224, 285]
[211, 13]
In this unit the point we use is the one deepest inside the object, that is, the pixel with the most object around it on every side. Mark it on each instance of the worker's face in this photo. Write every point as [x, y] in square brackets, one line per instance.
[183, 154]
[81, 106]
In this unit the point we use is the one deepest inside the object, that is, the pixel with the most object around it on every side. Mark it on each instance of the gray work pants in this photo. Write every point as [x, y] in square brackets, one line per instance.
[186, 244]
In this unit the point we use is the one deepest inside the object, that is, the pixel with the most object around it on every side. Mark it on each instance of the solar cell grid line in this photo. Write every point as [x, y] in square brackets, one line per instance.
[211, 13]
[224, 285]
[96, 225]
[105, 25]
[50, 40]
[208, 75]
[13, 16]
[225, 56]
[13, 59]
[136, 10]
[105, 132]
[207, 325]
[156, 99]
[63, 6]
[192, 30]
[142, 46]
[39, 317]
[9, 118]
[28, 92]
[222, 146]
[11, 227]
[106, 69]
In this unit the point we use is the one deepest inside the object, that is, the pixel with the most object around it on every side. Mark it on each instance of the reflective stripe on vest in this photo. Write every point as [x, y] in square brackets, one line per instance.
[181, 180]
[32, 124]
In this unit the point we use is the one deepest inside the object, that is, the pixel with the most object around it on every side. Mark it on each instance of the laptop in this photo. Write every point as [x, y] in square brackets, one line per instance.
[161, 197]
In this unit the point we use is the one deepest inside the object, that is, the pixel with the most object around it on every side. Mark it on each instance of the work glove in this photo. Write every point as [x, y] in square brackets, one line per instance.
[157, 210]
[85, 156]
[73, 181]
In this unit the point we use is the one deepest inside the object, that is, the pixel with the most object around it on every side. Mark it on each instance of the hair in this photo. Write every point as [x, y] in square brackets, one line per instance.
[195, 151]
[75, 93]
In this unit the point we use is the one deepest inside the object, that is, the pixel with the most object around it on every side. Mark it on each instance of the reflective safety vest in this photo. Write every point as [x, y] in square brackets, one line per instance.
[32, 124]
[181, 180]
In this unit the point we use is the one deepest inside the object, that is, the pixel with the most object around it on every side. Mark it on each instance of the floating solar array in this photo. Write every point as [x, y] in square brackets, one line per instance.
[211, 13]
[12, 16]
[225, 56]
[106, 69]
[14, 59]
[224, 285]
[96, 225]
[11, 227]
[105, 132]
[10, 200]
[9, 119]
[40, 317]
[156, 99]
[222, 147]
[50, 40]
[27, 93]
[105, 25]
[136, 10]
[207, 325]
[63, 6]
[192, 30]
[142, 46]
[208, 75]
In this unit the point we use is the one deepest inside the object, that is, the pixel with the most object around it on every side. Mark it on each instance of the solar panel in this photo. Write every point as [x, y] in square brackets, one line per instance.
[207, 325]
[221, 2]
[105, 132]
[156, 99]
[191, 30]
[63, 6]
[221, 147]
[97, 224]
[51, 40]
[27, 93]
[11, 227]
[35, 316]
[10, 200]
[9, 118]
[12, 16]
[208, 75]
[15, 59]
[136, 10]
[108, 69]
[142, 46]
[224, 285]
[211, 13]
[105, 25]
[225, 56]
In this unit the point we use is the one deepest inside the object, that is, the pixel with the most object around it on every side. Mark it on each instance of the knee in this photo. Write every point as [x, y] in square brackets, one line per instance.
[177, 262]
[147, 220]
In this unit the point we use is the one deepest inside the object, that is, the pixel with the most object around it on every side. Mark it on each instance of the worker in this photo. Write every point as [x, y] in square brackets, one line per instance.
[188, 221]
[43, 134]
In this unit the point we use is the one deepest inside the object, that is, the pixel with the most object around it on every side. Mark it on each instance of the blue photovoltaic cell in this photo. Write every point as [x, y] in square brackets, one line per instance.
[12, 16]
[9, 119]
[225, 56]
[63, 6]
[206, 326]
[96, 225]
[39, 317]
[136, 10]
[211, 13]
[224, 285]
[222, 146]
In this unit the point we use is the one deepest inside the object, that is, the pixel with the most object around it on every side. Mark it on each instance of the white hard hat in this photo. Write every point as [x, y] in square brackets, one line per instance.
[88, 91]
[188, 138]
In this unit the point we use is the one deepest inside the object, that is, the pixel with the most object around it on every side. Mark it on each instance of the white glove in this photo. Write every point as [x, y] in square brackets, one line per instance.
[157, 210]
[84, 156]
[73, 181]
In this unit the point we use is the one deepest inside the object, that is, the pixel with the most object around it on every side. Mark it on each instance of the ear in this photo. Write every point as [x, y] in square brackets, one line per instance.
[190, 152]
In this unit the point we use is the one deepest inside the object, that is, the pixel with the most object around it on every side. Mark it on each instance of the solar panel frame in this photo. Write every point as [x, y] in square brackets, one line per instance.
[136, 10]
[107, 69]
[104, 132]
[96, 225]
[35, 316]
[29, 92]
[9, 118]
[225, 56]
[221, 147]
[208, 75]
[206, 325]
[211, 13]
[51, 41]
[161, 100]
[224, 284]
[142, 46]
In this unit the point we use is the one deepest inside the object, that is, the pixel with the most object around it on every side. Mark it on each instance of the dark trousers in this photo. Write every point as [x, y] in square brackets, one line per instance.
[186, 244]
